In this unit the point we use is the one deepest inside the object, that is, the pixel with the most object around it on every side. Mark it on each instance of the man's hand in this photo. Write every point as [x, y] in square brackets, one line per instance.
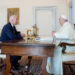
[22, 35]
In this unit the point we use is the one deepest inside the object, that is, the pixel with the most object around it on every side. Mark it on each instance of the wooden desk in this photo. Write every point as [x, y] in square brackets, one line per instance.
[30, 48]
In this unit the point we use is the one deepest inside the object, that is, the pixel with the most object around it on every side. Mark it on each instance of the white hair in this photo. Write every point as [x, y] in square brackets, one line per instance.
[64, 17]
[12, 17]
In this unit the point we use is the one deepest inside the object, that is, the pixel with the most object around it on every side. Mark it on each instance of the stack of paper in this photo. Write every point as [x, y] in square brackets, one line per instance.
[45, 38]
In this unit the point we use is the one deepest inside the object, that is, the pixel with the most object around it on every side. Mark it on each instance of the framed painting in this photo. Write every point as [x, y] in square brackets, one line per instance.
[12, 11]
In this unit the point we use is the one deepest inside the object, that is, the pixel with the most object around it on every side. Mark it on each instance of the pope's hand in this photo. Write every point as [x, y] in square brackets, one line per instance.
[53, 33]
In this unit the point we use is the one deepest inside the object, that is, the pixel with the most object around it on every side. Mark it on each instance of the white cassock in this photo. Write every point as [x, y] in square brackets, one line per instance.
[65, 34]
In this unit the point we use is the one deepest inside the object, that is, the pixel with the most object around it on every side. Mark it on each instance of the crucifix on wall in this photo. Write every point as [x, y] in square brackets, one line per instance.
[12, 11]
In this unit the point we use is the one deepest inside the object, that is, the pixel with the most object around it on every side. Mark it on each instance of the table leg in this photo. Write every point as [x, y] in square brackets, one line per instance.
[44, 66]
[8, 66]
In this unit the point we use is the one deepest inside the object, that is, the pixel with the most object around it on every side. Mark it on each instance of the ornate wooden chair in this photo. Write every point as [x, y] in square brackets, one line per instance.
[69, 65]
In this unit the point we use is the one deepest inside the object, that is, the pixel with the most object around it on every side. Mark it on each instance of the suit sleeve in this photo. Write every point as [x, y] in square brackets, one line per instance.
[12, 36]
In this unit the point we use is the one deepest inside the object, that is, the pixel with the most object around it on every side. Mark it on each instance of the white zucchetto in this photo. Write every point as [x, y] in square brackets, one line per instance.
[64, 17]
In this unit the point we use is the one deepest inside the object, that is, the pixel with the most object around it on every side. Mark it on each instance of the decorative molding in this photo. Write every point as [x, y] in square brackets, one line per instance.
[12, 11]
[52, 8]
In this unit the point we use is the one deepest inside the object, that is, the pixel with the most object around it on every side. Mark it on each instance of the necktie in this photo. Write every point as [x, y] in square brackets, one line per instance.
[14, 30]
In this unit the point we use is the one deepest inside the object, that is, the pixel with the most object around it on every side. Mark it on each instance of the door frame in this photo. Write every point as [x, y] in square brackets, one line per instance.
[50, 8]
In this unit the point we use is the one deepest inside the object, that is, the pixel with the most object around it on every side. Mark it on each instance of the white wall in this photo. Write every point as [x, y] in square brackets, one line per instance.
[73, 11]
[26, 10]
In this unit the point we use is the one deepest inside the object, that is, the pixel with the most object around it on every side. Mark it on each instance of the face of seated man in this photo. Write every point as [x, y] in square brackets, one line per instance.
[13, 20]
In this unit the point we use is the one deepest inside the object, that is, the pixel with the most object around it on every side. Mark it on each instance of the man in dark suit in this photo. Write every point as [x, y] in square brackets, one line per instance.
[9, 32]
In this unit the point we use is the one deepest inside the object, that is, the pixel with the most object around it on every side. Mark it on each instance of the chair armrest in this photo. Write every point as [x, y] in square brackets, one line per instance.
[63, 45]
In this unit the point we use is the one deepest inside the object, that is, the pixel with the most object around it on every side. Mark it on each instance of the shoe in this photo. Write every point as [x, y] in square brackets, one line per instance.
[17, 64]
[15, 67]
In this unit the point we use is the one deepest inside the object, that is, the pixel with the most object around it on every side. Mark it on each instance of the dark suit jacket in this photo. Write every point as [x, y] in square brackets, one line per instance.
[9, 33]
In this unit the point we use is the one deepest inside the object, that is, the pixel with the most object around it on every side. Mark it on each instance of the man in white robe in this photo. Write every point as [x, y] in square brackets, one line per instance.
[64, 34]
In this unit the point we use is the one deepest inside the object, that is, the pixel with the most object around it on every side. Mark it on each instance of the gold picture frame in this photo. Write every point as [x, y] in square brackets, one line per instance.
[12, 11]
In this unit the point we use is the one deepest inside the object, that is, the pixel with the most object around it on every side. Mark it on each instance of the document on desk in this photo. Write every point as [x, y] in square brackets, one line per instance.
[45, 39]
